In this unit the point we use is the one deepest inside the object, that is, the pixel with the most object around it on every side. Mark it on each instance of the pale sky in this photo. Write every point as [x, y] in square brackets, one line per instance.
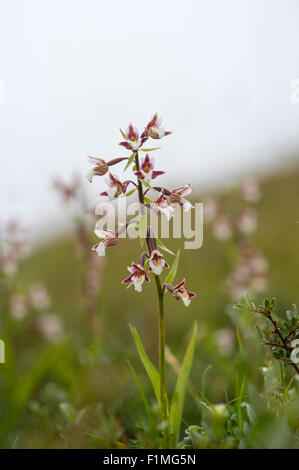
[219, 72]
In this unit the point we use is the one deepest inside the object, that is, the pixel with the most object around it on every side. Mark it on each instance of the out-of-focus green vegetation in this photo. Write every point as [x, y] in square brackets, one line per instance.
[81, 393]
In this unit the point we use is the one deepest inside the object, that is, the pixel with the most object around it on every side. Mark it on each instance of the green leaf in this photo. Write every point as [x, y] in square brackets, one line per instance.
[171, 275]
[163, 247]
[123, 134]
[131, 192]
[177, 403]
[150, 150]
[148, 365]
[240, 343]
[141, 391]
[148, 200]
[146, 184]
[130, 161]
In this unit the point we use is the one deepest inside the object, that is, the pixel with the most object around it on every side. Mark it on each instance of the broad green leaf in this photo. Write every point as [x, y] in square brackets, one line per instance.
[141, 391]
[130, 161]
[163, 247]
[171, 275]
[150, 150]
[148, 365]
[177, 403]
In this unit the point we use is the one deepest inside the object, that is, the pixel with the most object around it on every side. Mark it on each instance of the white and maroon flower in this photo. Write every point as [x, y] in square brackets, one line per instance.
[160, 206]
[180, 292]
[154, 129]
[157, 262]
[133, 141]
[177, 197]
[115, 187]
[147, 170]
[109, 239]
[137, 277]
[100, 168]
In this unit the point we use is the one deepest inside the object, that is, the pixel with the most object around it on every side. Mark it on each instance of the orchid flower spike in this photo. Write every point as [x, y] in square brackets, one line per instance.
[147, 169]
[137, 277]
[100, 168]
[115, 187]
[180, 292]
[133, 141]
[160, 206]
[154, 129]
[110, 239]
[177, 199]
[157, 262]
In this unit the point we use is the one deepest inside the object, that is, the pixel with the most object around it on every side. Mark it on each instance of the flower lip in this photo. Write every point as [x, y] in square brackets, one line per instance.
[157, 262]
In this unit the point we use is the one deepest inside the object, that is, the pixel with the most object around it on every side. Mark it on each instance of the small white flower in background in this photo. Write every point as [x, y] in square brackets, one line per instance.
[210, 209]
[157, 262]
[50, 326]
[38, 296]
[250, 190]
[247, 221]
[223, 228]
[225, 340]
[220, 411]
[18, 306]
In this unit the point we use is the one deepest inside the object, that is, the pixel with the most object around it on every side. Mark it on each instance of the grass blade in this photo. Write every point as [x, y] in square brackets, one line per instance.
[148, 365]
[130, 161]
[171, 275]
[177, 403]
[141, 391]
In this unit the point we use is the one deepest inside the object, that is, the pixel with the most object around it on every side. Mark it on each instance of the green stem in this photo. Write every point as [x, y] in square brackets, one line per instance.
[162, 362]
[162, 342]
